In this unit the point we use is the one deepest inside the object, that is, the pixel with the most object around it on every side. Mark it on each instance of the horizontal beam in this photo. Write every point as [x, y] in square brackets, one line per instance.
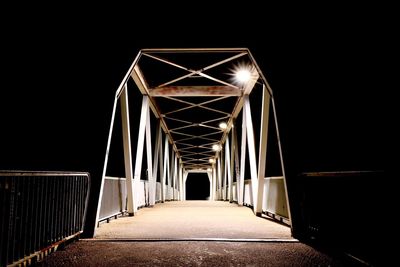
[193, 50]
[195, 91]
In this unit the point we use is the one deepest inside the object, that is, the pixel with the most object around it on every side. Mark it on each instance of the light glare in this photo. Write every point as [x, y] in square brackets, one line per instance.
[216, 147]
[223, 125]
[243, 75]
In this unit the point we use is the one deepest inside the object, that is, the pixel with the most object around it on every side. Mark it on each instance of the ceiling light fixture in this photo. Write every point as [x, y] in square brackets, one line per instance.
[223, 125]
[243, 75]
[216, 147]
[211, 160]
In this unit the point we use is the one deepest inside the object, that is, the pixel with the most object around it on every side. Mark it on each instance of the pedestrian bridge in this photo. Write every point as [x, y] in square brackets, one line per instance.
[177, 112]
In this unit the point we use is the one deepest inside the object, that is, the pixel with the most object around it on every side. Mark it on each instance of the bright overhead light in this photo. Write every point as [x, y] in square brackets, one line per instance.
[243, 75]
[209, 169]
[223, 125]
[216, 147]
[211, 160]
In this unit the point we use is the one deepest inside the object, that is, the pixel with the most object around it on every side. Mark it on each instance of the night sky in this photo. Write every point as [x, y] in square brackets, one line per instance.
[60, 73]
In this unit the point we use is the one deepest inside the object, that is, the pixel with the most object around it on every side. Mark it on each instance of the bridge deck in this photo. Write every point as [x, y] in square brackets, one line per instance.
[191, 220]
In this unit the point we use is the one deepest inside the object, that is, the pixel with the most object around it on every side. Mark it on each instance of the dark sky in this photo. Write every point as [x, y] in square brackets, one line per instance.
[61, 72]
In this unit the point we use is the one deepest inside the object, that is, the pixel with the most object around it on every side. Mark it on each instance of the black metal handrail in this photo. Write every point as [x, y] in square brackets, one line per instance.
[38, 211]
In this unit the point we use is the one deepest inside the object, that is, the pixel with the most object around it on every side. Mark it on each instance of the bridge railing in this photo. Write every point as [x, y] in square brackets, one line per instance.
[114, 200]
[274, 199]
[39, 211]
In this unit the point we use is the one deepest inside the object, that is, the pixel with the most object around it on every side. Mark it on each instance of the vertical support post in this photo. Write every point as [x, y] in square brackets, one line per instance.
[223, 174]
[214, 178]
[251, 147]
[164, 188]
[228, 169]
[175, 177]
[126, 136]
[281, 157]
[156, 161]
[160, 164]
[235, 161]
[181, 198]
[219, 177]
[240, 183]
[139, 148]
[151, 181]
[171, 174]
[209, 174]
[262, 151]
[185, 175]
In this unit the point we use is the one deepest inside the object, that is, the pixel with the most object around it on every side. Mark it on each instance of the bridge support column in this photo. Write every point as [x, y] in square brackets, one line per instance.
[185, 175]
[164, 187]
[144, 132]
[126, 137]
[235, 172]
[251, 147]
[240, 183]
[209, 174]
[228, 170]
[262, 151]
[171, 176]
[219, 177]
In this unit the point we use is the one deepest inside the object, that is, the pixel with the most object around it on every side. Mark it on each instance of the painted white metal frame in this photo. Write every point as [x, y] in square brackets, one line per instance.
[176, 166]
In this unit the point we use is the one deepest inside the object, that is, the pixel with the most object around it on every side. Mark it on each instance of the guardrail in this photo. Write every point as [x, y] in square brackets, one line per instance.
[39, 211]
[114, 200]
[274, 198]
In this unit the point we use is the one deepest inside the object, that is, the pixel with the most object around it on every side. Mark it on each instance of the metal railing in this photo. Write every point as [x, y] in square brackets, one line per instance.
[38, 211]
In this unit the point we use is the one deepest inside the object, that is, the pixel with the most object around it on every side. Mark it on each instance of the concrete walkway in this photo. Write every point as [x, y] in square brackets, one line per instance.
[193, 219]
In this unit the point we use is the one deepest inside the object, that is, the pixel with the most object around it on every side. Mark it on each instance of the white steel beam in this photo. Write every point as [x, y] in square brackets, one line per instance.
[139, 149]
[209, 174]
[214, 177]
[175, 183]
[219, 177]
[185, 175]
[281, 157]
[126, 137]
[242, 159]
[161, 166]
[151, 179]
[235, 161]
[105, 163]
[228, 170]
[117, 94]
[171, 173]
[195, 91]
[164, 187]
[251, 147]
[223, 172]
[262, 151]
